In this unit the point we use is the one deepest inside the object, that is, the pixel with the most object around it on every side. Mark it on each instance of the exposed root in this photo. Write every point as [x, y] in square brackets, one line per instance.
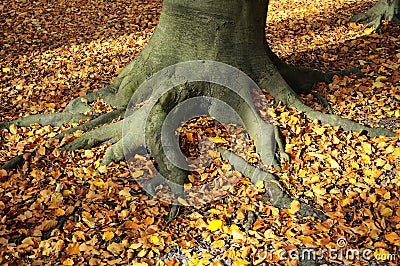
[323, 101]
[114, 153]
[382, 10]
[14, 162]
[281, 145]
[283, 93]
[344, 123]
[101, 120]
[93, 138]
[274, 192]
[56, 119]
[302, 79]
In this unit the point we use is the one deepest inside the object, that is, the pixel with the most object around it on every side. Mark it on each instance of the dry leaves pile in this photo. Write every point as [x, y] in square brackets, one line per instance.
[59, 209]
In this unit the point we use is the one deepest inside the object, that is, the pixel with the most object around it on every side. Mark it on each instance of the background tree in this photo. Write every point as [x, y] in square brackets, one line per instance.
[231, 32]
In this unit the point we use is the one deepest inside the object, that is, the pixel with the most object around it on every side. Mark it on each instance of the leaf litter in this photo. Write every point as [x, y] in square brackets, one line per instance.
[64, 208]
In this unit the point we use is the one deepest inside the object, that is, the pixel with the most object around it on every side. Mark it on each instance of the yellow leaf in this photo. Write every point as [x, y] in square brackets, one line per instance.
[333, 163]
[214, 225]
[183, 202]
[13, 129]
[294, 206]
[108, 236]
[42, 150]
[28, 241]
[59, 212]
[72, 249]
[137, 174]
[240, 262]
[396, 152]
[319, 131]
[68, 262]
[218, 140]
[154, 239]
[260, 184]
[218, 244]
[367, 148]
[378, 84]
[6, 69]
[354, 165]
[393, 238]
[387, 212]
[125, 192]
[138, 264]
[102, 169]
[116, 248]
[380, 78]
[98, 183]
[142, 253]
[237, 234]
[369, 30]
[381, 254]
[88, 154]
[135, 246]
[380, 162]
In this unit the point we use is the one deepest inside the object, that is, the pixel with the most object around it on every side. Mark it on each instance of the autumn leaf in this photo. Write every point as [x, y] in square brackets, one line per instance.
[116, 248]
[218, 244]
[214, 225]
[294, 206]
[108, 235]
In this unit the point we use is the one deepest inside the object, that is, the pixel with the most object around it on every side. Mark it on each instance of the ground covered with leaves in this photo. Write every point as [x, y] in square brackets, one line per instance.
[62, 208]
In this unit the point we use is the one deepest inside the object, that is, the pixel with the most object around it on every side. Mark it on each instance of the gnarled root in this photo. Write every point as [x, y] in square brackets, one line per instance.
[274, 192]
[382, 10]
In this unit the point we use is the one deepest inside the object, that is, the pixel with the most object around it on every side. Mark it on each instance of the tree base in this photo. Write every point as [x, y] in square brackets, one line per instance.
[183, 38]
[382, 10]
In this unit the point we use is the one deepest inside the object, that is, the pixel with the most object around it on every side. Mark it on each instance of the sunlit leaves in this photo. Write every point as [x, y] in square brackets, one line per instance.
[214, 225]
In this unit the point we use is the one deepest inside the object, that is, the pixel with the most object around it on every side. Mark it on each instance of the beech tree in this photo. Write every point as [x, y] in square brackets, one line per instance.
[382, 10]
[228, 31]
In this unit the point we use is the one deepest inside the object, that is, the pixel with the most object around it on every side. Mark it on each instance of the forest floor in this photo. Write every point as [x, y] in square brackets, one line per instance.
[63, 209]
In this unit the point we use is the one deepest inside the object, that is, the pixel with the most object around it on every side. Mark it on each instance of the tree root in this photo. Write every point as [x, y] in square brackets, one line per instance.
[101, 120]
[112, 133]
[284, 93]
[274, 192]
[56, 119]
[302, 79]
[281, 145]
[382, 10]
[87, 141]
[323, 101]
[14, 162]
